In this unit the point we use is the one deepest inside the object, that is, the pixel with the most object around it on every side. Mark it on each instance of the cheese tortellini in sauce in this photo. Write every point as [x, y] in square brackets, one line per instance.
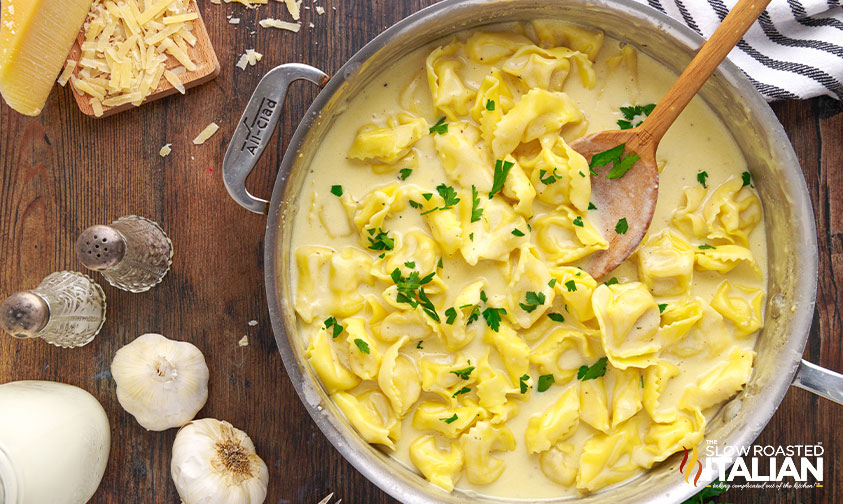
[455, 323]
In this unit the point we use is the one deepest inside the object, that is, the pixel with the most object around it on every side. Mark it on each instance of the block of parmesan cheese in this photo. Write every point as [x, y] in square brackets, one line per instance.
[35, 37]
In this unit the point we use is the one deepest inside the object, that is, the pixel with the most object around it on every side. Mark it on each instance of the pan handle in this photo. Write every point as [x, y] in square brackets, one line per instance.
[256, 126]
[819, 380]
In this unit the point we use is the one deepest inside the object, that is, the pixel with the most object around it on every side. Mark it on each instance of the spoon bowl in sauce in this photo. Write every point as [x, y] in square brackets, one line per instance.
[625, 177]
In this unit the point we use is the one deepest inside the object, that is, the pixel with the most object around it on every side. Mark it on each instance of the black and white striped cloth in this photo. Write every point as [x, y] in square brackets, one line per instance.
[793, 51]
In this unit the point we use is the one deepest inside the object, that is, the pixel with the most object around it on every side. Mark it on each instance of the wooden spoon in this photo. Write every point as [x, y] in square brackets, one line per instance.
[633, 196]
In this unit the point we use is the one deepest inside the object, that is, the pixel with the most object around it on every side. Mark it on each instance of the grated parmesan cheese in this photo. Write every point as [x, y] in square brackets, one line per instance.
[320, 10]
[294, 7]
[68, 71]
[281, 25]
[130, 46]
[166, 150]
[249, 58]
[206, 133]
[234, 20]
[244, 341]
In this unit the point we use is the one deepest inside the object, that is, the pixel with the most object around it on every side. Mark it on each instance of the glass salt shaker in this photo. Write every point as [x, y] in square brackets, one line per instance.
[67, 309]
[132, 253]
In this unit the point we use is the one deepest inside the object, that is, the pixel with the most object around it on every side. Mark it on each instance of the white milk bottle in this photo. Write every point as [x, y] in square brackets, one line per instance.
[54, 443]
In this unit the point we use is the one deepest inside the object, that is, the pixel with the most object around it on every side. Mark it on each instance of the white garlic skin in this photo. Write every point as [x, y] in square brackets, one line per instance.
[215, 463]
[161, 382]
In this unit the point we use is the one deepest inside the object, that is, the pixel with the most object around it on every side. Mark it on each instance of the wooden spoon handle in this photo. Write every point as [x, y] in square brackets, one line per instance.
[713, 51]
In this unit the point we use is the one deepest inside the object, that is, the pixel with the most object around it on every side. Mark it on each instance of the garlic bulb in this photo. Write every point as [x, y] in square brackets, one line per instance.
[162, 382]
[214, 463]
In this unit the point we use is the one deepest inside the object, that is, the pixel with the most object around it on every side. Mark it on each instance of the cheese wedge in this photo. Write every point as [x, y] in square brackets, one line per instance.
[35, 37]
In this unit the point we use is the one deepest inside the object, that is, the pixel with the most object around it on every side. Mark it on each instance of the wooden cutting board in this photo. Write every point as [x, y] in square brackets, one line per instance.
[202, 54]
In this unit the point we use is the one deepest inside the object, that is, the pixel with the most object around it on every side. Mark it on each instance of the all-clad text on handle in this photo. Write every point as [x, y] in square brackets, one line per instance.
[256, 126]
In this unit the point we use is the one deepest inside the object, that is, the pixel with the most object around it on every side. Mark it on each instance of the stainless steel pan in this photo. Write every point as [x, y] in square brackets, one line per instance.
[792, 244]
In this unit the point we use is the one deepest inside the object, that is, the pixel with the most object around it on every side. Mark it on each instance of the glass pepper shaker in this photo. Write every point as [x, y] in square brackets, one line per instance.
[67, 309]
[132, 253]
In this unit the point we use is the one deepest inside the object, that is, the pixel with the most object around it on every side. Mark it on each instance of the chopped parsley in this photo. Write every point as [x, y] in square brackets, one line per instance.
[448, 194]
[591, 206]
[612, 281]
[440, 127]
[465, 372]
[607, 156]
[483, 296]
[490, 105]
[419, 345]
[534, 299]
[517, 232]
[476, 211]
[581, 174]
[622, 226]
[410, 291]
[701, 177]
[450, 419]
[632, 114]
[571, 286]
[492, 316]
[594, 371]
[706, 246]
[747, 178]
[551, 283]
[545, 381]
[619, 169]
[522, 383]
[336, 190]
[474, 315]
[451, 315]
[337, 327]
[427, 196]
[380, 240]
[471, 236]
[662, 307]
[578, 221]
[548, 179]
[362, 345]
[410, 264]
[405, 172]
[556, 317]
[440, 263]
[464, 390]
[613, 155]
[415, 204]
[642, 381]
[501, 171]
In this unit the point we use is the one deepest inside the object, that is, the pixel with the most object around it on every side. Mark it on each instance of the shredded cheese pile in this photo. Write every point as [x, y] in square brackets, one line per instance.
[127, 50]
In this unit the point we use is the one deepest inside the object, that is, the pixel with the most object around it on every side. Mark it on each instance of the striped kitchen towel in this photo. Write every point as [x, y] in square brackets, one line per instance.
[793, 51]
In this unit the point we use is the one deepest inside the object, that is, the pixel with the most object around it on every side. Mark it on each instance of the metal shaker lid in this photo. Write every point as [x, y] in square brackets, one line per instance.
[100, 247]
[24, 314]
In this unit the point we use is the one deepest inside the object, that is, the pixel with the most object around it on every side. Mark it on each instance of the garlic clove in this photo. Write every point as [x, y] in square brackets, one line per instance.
[161, 382]
[215, 463]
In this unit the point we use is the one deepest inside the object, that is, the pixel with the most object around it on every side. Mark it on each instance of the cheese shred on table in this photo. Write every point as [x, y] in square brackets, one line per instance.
[206, 133]
[130, 46]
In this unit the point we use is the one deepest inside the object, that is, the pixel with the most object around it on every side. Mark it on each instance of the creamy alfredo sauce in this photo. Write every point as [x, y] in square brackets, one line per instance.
[696, 142]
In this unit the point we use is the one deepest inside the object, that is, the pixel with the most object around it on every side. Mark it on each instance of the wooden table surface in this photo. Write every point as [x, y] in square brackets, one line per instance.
[62, 172]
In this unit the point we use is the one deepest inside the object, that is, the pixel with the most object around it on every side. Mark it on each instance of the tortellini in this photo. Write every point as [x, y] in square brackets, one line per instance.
[538, 113]
[450, 95]
[557, 424]
[399, 379]
[371, 415]
[341, 272]
[440, 281]
[629, 320]
[740, 305]
[666, 264]
[727, 216]
[481, 467]
[440, 467]
[390, 143]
